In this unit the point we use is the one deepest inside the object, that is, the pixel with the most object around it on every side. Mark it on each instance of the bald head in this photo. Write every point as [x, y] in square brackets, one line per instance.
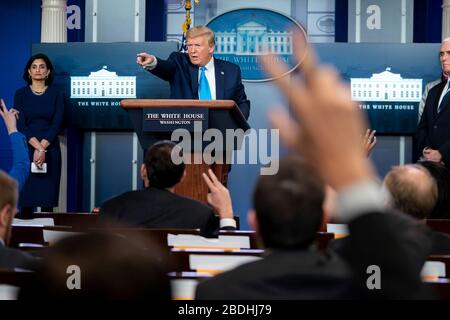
[413, 190]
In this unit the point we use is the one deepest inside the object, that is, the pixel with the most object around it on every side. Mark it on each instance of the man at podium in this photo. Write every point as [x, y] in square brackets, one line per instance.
[197, 74]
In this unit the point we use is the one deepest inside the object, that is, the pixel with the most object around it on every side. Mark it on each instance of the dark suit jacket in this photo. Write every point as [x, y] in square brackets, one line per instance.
[13, 258]
[290, 274]
[440, 242]
[422, 241]
[416, 238]
[374, 241]
[156, 208]
[183, 79]
[434, 128]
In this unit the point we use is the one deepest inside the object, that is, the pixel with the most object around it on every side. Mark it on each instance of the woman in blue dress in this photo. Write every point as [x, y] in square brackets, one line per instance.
[41, 109]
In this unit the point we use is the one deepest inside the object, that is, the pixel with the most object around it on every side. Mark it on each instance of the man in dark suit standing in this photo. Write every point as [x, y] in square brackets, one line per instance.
[197, 74]
[157, 206]
[433, 132]
[10, 258]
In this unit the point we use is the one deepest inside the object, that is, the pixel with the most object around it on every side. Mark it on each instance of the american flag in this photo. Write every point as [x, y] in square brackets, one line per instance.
[183, 40]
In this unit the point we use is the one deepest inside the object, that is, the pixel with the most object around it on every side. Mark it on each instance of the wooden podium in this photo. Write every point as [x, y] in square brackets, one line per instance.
[222, 115]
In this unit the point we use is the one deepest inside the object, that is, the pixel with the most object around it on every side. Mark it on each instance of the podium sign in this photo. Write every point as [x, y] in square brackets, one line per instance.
[169, 119]
[155, 120]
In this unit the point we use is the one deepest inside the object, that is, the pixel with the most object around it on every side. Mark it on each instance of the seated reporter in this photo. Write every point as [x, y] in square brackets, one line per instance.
[9, 257]
[441, 174]
[101, 267]
[328, 138]
[415, 191]
[157, 206]
[286, 215]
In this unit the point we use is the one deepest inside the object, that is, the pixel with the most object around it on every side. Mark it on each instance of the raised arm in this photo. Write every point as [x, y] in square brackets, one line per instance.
[21, 162]
[329, 138]
[219, 198]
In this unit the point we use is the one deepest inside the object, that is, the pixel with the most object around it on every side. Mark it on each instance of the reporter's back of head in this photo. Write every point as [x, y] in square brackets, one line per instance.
[441, 175]
[288, 205]
[413, 190]
[101, 266]
[162, 173]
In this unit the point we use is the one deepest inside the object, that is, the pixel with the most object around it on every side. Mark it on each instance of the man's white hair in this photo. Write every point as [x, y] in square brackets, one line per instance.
[446, 40]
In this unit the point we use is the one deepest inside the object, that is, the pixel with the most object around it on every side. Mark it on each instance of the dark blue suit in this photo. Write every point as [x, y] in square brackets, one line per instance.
[183, 78]
[434, 128]
[41, 117]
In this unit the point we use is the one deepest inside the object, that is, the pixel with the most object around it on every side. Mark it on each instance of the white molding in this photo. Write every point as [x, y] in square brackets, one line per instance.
[92, 166]
[402, 148]
[446, 19]
[137, 15]
[403, 22]
[54, 21]
[94, 20]
[358, 21]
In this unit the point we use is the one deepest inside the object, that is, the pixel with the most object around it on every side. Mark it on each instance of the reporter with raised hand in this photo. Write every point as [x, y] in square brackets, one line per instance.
[328, 136]
[220, 200]
[21, 162]
[369, 141]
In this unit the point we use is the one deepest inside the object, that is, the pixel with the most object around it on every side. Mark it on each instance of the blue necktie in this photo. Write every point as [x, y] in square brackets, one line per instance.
[204, 91]
[445, 99]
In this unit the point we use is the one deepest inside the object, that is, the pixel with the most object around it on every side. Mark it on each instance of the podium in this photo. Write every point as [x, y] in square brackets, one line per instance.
[155, 120]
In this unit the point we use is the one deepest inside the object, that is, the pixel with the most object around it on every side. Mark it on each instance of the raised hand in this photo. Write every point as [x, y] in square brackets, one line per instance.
[369, 141]
[218, 196]
[328, 123]
[9, 116]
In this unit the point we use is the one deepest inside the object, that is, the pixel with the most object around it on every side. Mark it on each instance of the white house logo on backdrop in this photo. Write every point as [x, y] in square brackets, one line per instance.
[243, 36]
[103, 84]
[253, 38]
[386, 86]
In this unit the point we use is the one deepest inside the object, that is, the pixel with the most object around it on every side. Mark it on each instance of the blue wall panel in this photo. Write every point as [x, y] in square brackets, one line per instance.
[20, 27]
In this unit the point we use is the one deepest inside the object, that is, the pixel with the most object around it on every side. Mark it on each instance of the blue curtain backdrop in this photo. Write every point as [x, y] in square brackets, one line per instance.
[77, 35]
[341, 21]
[21, 26]
[155, 20]
[427, 20]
